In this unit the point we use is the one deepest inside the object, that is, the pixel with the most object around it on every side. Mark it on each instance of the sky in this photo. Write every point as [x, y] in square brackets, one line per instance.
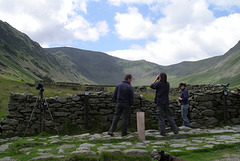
[164, 32]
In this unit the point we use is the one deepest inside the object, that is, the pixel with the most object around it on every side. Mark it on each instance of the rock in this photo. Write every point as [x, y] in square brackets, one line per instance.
[208, 112]
[135, 152]
[192, 148]
[87, 152]
[177, 145]
[114, 151]
[4, 147]
[208, 146]
[87, 145]
[67, 146]
[8, 159]
[46, 156]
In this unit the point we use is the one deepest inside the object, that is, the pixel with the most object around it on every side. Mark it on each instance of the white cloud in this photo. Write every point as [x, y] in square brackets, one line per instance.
[132, 25]
[55, 21]
[188, 32]
[148, 2]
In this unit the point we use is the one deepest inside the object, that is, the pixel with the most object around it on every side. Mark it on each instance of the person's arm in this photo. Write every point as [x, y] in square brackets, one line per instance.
[153, 85]
[131, 96]
[185, 95]
[115, 94]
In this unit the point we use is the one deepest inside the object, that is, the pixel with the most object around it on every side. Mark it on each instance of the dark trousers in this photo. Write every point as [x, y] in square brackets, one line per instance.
[162, 110]
[124, 110]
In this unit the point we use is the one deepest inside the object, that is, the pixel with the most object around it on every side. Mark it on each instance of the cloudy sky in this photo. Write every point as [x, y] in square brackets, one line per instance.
[161, 31]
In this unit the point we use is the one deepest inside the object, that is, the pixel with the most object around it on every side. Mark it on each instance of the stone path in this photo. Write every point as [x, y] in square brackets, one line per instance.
[94, 144]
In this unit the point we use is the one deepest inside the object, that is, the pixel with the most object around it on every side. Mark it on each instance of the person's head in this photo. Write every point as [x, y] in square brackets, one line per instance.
[182, 85]
[128, 78]
[163, 77]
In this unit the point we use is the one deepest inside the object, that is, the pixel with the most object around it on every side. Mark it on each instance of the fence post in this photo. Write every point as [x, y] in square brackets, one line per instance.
[141, 125]
[86, 104]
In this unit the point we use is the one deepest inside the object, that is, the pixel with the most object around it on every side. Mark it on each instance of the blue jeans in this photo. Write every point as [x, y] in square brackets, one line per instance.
[184, 112]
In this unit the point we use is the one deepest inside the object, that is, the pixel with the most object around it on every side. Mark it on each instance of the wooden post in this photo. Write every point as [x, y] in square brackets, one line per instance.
[225, 110]
[141, 125]
[86, 100]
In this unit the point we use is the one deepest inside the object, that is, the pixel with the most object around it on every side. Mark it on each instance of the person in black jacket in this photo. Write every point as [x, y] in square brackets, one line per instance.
[161, 86]
[184, 104]
[124, 97]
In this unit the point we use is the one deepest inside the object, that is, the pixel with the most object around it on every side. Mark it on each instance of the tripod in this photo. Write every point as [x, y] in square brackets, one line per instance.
[44, 106]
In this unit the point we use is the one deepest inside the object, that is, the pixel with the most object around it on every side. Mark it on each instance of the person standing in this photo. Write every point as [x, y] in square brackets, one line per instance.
[124, 97]
[184, 104]
[161, 86]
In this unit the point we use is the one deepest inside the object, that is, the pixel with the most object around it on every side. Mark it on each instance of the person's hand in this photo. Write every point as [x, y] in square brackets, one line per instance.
[180, 98]
[157, 77]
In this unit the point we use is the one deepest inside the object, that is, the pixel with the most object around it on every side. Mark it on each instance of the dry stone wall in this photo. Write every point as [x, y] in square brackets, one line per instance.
[206, 110]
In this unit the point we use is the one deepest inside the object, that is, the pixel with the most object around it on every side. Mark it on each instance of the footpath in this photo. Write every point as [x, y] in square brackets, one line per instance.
[37, 147]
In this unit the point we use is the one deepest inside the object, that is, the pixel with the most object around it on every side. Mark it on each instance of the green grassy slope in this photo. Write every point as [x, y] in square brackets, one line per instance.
[23, 59]
[216, 70]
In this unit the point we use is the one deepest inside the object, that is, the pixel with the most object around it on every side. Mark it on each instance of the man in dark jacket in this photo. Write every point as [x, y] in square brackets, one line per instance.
[124, 97]
[184, 104]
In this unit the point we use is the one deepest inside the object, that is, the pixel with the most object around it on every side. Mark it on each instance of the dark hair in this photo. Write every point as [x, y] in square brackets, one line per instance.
[127, 76]
[182, 84]
[164, 80]
[163, 77]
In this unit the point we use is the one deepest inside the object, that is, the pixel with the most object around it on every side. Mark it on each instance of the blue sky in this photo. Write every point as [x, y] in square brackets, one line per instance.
[161, 31]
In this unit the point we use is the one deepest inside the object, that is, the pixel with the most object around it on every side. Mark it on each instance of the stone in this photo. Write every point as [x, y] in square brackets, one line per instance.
[192, 148]
[8, 159]
[67, 146]
[197, 141]
[87, 152]
[26, 149]
[46, 156]
[175, 150]
[62, 100]
[208, 112]
[177, 145]
[133, 152]
[87, 145]
[159, 143]
[113, 151]
[119, 147]
[41, 150]
[125, 143]
[4, 147]
[208, 146]
[211, 120]
[235, 120]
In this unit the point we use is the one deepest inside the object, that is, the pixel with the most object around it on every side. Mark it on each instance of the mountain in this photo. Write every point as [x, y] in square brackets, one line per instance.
[215, 70]
[102, 68]
[25, 60]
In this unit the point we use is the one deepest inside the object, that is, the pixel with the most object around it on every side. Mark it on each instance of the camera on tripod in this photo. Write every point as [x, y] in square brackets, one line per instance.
[40, 86]
[225, 85]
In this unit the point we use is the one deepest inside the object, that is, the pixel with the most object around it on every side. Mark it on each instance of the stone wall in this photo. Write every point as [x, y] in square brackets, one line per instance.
[206, 110]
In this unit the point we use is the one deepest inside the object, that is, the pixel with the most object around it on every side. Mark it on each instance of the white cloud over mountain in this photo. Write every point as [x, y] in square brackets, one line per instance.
[160, 31]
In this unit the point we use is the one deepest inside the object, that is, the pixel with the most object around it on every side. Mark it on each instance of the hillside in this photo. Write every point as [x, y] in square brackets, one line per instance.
[25, 60]
[216, 70]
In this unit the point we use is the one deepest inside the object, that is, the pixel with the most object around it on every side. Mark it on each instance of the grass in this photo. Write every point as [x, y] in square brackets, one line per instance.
[8, 86]
[207, 154]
